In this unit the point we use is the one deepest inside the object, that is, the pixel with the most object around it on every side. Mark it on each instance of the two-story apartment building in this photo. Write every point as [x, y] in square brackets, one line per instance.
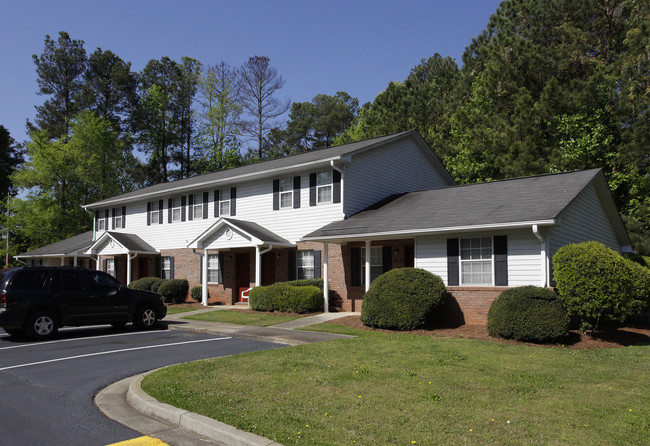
[347, 214]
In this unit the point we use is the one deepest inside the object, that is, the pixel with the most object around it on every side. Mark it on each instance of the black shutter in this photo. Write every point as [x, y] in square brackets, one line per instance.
[160, 212]
[190, 214]
[292, 265]
[105, 262]
[337, 187]
[233, 201]
[106, 219]
[220, 276]
[158, 269]
[183, 204]
[296, 192]
[205, 205]
[169, 210]
[148, 214]
[276, 195]
[123, 217]
[171, 267]
[96, 220]
[453, 271]
[500, 260]
[355, 266]
[386, 259]
[113, 218]
[216, 203]
[317, 274]
[312, 189]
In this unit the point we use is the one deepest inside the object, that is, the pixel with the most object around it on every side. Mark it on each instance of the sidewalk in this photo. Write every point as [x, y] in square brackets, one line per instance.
[125, 402]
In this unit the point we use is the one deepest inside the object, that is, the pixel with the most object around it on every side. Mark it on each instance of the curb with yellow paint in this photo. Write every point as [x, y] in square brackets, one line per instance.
[141, 441]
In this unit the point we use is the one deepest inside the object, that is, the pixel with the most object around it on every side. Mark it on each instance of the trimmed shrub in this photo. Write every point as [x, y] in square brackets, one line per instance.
[286, 298]
[156, 284]
[197, 293]
[596, 284]
[402, 299]
[260, 298]
[308, 299]
[143, 284]
[174, 290]
[306, 282]
[528, 313]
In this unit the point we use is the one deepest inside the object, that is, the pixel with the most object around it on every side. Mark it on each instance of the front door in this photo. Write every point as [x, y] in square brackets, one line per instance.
[242, 274]
[268, 268]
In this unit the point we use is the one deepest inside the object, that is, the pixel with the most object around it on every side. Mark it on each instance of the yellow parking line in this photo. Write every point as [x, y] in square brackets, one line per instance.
[141, 441]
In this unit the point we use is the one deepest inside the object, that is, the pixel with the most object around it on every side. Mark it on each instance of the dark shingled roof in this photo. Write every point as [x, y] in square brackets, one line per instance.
[70, 245]
[528, 199]
[132, 242]
[257, 231]
[257, 168]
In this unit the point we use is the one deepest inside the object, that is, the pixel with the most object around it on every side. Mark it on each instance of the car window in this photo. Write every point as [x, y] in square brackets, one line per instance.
[26, 280]
[68, 279]
[99, 280]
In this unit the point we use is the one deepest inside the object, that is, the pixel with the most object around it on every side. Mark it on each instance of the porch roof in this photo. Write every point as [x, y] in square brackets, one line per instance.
[512, 203]
[129, 243]
[257, 235]
[76, 245]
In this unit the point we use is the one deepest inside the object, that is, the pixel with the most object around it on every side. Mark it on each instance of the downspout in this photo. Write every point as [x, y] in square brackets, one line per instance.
[258, 264]
[542, 242]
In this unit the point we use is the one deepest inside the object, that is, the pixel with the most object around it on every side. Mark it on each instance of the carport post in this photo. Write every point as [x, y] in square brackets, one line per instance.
[204, 278]
[367, 265]
[325, 287]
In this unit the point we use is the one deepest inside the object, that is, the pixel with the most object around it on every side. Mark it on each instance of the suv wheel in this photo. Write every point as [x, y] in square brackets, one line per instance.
[145, 317]
[41, 326]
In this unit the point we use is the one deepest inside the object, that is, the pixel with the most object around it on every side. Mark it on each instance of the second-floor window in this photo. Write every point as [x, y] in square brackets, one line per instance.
[154, 214]
[101, 224]
[324, 187]
[118, 218]
[176, 209]
[286, 193]
[224, 202]
[197, 207]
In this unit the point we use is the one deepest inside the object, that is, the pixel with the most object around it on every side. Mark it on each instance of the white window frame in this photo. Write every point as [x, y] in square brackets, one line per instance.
[224, 203]
[474, 256]
[325, 186]
[176, 209]
[165, 265]
[110, 267]
[118, 217]
[305, 268]
[214, 267]
[376, 263]
[197, 207]
[286, 193]
[101, 224]
[154, 214]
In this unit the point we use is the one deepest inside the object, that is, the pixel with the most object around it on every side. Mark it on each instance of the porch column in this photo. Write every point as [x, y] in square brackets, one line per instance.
[367, 265]
[62, 261]
[75, 260]
[129, 259]
[325, 279]
[204, 277]
[258, 266]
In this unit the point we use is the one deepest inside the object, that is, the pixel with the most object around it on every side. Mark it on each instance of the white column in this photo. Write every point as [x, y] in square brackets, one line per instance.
[367, 264]
[204, 281]
[258, 266]
[128, 268]
[325, 279]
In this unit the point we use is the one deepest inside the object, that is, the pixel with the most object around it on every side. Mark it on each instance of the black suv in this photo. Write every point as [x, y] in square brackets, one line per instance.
[37, 300]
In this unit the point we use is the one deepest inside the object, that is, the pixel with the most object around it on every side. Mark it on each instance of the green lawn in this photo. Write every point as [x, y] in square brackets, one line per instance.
[241, 318]
[402, 389]
[176, 310]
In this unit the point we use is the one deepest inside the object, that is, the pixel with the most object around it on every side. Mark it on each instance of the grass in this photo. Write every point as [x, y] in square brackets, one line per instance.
[241, 318]
[177, 310]
[401, 389]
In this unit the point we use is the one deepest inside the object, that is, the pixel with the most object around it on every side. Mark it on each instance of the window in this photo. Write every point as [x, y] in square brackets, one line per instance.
[176, 209]
[29, 280]
[197, 206]
[476, 261]
[110, 267]
[376, 263]
[101, 224]
[154, 214]
[305, 264]
[166, 268]
[118, 218]
[286, 193]
[324, 187]
[99, 281]
[214, 268]
[224, 202]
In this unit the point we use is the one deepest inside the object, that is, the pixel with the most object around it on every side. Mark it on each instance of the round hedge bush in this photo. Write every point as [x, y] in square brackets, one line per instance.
[143, 284]
[197, 293]
[402, 299]
[528, 313]
[156, 284]
[174, 290]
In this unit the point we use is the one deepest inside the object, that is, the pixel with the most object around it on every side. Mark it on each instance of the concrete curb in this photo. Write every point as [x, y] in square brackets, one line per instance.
[190, 421]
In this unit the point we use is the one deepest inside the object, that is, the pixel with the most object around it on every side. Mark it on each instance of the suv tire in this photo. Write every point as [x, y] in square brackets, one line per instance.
[41, 326]
[145, 317]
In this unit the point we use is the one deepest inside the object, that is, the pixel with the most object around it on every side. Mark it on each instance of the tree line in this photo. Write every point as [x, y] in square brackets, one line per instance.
[548, 86]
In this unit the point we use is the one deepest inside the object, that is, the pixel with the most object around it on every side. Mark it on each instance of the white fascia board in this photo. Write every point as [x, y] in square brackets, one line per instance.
[430, 231]
[219, 224]
[213, 183]
[101, 240]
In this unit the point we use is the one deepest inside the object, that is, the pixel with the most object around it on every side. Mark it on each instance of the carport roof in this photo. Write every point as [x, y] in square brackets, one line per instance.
[69, 246]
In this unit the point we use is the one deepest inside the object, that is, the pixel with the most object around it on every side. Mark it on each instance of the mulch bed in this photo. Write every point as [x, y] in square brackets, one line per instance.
[606, 338]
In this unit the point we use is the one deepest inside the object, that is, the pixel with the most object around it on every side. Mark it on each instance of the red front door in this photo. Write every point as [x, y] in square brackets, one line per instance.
[242, 274]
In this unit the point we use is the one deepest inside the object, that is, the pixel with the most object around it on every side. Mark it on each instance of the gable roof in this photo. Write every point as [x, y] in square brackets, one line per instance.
[69, 246]
[259, 235]
[508, 203]
[271, 167]
[130, 242]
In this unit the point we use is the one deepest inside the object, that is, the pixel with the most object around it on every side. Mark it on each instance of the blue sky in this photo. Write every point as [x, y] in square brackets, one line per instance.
[318, 47]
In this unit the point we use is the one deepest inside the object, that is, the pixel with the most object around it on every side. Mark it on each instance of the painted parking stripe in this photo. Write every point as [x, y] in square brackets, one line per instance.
[141, 441]
[37, 344]
[111, 352]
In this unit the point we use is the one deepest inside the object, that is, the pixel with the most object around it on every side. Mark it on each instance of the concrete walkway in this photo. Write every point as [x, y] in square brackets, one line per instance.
[125, 401]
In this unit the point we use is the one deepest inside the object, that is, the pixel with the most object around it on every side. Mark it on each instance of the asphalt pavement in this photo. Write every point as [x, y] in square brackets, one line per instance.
[125, 402]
